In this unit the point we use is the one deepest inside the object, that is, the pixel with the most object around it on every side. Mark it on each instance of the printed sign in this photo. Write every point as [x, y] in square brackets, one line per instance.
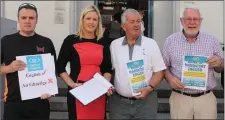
[136, 75]
[39, 76]
[195, 72]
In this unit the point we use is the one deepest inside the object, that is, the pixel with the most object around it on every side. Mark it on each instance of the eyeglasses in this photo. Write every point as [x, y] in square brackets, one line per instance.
[27, 5]
[189, 20]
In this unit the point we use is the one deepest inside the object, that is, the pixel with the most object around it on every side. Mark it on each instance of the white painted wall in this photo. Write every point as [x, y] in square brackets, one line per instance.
[165, 21]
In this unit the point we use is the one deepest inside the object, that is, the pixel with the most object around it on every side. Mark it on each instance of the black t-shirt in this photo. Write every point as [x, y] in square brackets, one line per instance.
[17, 45]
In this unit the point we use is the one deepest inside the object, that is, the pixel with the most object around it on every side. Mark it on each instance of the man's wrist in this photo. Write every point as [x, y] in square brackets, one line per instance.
[6, 69]
[151, 87]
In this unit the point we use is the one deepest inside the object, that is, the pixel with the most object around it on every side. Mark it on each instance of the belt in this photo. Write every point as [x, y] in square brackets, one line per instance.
[128, 98]
[192, 95]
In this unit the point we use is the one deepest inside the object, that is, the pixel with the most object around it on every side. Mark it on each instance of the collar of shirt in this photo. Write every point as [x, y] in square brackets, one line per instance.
[137, 42]
[185, 38]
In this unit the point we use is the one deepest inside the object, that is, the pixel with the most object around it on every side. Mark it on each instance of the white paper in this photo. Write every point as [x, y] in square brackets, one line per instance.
[59, 17]
[195, 72]
[92, 89]
[38, 77]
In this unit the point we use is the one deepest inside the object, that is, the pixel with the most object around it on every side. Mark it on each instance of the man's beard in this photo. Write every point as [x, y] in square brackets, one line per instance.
[190, 33]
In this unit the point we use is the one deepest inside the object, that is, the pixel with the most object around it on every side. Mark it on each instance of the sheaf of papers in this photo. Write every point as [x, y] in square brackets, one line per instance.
[92, 89]
[195, 72]
[136, 75]
[38, 77]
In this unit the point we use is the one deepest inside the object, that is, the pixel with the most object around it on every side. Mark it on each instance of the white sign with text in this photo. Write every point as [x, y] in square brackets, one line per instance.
[38, 77]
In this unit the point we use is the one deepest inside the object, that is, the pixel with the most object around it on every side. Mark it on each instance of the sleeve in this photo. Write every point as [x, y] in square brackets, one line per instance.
[112, 56]
[106, 63]
[64, 55]
[157, 59]
[166, 53]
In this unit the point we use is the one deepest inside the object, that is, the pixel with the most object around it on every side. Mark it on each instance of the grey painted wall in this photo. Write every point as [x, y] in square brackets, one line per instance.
[7, 27]
[80, 5]
[162, 21]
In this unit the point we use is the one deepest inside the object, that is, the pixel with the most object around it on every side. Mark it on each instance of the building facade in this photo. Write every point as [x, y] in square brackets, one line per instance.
[57, 19]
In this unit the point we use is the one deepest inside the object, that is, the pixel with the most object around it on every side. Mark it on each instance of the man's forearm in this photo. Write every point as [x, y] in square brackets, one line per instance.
[168, 75]
[156, 78]
[5, 70]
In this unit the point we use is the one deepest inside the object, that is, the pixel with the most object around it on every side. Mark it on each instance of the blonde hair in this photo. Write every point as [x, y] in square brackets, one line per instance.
[98, 31]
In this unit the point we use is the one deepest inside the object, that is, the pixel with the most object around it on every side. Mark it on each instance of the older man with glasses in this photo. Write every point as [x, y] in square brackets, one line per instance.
[190, 102]
[25, 42]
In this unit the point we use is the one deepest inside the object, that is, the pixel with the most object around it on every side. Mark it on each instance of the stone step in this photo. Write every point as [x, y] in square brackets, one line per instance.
[163, 89]
[64, 116]
[163, 85]
[162, 93]
[59, 116]
[60, 104]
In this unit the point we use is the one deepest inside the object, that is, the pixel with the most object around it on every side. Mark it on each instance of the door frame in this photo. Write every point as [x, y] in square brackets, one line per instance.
[150, 16]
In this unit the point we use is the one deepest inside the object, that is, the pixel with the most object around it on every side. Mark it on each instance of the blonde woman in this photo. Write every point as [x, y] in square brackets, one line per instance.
[87, 53]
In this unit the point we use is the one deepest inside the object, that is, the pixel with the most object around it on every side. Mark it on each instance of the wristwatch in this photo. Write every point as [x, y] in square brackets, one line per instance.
[151, 86]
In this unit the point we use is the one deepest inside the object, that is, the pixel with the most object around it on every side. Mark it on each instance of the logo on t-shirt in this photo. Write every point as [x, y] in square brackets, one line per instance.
[39, 49]
[34, 63]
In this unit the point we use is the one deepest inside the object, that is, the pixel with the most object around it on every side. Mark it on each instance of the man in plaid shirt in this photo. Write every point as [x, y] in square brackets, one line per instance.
[191, 103]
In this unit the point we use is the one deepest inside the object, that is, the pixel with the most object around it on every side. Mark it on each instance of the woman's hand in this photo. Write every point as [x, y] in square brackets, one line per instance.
[107, 76]
[74, 85]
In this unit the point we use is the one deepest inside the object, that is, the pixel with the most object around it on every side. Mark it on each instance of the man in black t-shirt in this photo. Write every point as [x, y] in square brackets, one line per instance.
[24, 42]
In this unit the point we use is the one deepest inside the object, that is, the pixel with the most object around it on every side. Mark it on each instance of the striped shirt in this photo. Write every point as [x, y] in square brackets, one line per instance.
[177, 45]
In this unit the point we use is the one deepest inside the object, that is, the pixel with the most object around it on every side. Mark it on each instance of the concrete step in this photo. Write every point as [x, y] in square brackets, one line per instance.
[59, 104]
[162, 93]
[64, 116]
[59, 116]
[163, 85]
[163, 90]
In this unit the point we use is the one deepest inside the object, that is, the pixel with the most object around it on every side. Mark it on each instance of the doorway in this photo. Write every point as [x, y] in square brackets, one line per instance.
[110, 7]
